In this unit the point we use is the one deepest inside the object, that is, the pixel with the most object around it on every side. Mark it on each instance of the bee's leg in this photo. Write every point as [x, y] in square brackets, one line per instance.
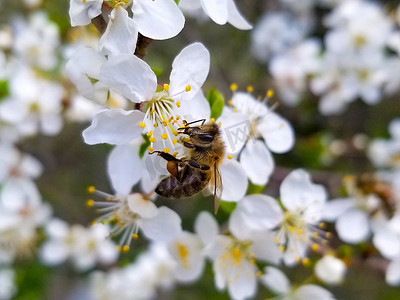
[188, 145]
[172, 163]
[194, 164]
[166, 156]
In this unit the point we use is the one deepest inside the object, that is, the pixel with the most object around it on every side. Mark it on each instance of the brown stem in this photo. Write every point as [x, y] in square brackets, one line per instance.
[141, 45]
[100, 24]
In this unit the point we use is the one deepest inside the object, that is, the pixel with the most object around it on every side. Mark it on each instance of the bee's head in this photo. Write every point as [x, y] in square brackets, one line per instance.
[202, 135]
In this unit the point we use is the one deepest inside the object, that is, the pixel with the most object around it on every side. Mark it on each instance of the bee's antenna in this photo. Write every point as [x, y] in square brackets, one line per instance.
[186, 124]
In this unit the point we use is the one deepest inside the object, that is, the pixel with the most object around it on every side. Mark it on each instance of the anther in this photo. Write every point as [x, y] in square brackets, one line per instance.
[174, 141]
[152, 139]
[164, 136]
[250, 88]
[91, 189]
[188, 88]
[229, 156]
[166, 150]
[125, 248]
[233, 87]
[150, 133]
[141, 124]
[90, 202]
[306, 261]
[166, 87]
[135, 236]
[150, 149]
[212, 120]
[270, 93]
[178, 104]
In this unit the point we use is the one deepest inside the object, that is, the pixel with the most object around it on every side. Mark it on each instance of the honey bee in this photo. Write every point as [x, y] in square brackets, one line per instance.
[193, 173]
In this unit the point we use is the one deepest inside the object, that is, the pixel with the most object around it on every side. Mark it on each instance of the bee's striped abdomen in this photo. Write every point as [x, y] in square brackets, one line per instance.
[192, 182]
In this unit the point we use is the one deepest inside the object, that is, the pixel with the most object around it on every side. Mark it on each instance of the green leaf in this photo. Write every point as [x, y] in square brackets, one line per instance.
[157, 71]
[3, 89]
[227, 207]
[254, 188]
[216, 101]
[144, 145]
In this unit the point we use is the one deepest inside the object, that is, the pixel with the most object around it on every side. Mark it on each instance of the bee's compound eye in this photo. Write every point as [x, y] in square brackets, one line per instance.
[208, 138]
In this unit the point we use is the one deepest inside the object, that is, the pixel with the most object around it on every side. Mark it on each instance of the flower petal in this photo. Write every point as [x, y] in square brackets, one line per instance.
[141, 206]
[353, 226]
[235, 128]
[261, 211]
[393, 273]
[121, 34]
[235, 18]
[312, 291]
[275, 280]
[158, 19]
[257, 162]
[82, 12]
[196, 108]
[217, 10]
[82, 68]
[187, 252]
[335, 208]
[234, 181]
[206, 227]
[190, 67]
[130, 76]
[124, 168]
[164, 227]
[299, 193]
[113, 126]
[277, 132]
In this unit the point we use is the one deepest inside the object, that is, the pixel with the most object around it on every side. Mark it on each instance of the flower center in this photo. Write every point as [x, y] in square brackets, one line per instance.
[161, 114]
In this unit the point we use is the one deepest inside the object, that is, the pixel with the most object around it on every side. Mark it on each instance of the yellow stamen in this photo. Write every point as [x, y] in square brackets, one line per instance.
[150, 149]
[250, 88]
[155, 125]
[141, 124]
[306, 261]
[314, 247]
[233, 87]
[212, 120]
[135, 236]
[90, 202]
[270, 93]
[125, 248]
[166, 150]
[164, 136]
[166, 87]
[152, 139]
[174, 141]
[230, 102]
[229, 156]
[91, 189]
[118, 248]
[150, 133]
[178, 104]
[188, 88]
[175, 154]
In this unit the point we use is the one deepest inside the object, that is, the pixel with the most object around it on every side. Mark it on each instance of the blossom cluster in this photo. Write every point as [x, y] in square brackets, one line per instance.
[351, 61]
[150, 126]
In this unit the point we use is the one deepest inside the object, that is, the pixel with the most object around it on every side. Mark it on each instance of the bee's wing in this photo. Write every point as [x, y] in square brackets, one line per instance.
[216, 182]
